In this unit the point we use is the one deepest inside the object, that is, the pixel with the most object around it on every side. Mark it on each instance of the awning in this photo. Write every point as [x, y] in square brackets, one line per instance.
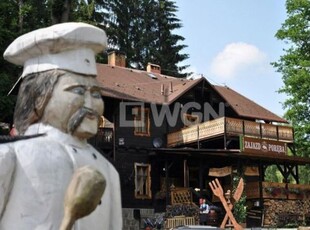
[233, 153]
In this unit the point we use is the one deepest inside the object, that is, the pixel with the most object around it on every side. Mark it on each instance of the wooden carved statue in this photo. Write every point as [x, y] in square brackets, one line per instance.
[59, 104]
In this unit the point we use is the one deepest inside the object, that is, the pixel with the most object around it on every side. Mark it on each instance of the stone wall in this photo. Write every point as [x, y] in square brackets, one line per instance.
[132, 222]
[285, 213]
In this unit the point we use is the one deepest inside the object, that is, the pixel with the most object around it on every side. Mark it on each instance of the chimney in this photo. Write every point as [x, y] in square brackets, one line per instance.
[152, 68]
[117, 58]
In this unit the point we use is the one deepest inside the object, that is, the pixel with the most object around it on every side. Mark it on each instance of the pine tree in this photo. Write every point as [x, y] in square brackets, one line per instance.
[143, 29]
[9, 30]
[90, 11]
[168, 53]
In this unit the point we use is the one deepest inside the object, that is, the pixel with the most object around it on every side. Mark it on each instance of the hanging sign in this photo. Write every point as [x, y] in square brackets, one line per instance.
[220, 172]
[251, 171]
[255, 145]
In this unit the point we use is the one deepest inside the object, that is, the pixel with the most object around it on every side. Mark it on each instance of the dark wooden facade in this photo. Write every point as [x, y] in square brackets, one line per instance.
[182, 155]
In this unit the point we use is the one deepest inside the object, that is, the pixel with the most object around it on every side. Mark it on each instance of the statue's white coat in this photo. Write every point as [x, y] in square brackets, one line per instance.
[43, 167]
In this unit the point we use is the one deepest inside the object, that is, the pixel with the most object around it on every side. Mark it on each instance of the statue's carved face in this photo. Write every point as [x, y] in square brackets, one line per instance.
[75, 105]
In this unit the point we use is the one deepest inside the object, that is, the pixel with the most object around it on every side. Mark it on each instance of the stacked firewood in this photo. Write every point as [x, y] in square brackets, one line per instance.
[279, 213]
[188, 210]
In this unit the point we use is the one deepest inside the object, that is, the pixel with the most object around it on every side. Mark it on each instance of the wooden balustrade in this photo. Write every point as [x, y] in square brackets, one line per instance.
[285, 133]
[251, 128]
[230, 126]
[269, 131]
[173, 222]
[274, 190]
[211, 128]
[234, 126]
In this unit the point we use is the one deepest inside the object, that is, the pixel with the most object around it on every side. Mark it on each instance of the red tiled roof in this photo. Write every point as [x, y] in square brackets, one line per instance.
[245, 107]
[137, 85]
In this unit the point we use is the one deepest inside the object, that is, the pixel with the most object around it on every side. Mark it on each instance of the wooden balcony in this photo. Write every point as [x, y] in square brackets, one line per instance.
[230, 126]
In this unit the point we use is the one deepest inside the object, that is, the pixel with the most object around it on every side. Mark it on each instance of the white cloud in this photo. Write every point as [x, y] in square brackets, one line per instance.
[236, 57]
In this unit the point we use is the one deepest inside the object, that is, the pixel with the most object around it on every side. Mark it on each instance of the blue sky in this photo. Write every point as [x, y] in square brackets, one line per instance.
[232, 43]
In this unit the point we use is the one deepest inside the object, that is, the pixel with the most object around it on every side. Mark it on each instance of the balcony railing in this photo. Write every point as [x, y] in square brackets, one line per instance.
[230, 126]
[273, 190]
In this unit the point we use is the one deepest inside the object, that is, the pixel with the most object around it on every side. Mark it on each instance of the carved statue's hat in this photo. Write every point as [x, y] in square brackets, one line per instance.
[68, 46]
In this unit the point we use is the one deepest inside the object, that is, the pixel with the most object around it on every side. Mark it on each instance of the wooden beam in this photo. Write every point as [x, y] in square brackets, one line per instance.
[167, 184]
[293, 171]
[185, 173]
[201, 170]
[297, 174]
[281, 170]
[261, 170]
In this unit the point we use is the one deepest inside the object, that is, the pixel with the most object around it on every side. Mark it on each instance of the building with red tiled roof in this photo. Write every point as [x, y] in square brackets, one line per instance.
[131, 84]
[138, 85]
[160, 131]
[245, 107]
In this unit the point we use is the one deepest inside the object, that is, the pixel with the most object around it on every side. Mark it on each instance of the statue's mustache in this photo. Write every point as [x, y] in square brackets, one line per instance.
[78, 117]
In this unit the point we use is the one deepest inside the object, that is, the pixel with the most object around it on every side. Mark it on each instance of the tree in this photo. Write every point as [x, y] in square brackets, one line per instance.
[295, 68]
[9, 29]
[143, 29]
[168, 53]
[60, 11]
[6, 102]
[90, 11]
[33, 14]
[123, 25]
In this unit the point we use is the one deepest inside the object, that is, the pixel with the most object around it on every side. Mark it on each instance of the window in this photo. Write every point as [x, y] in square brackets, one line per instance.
[143, 181]
[190, 119]
[141, 122]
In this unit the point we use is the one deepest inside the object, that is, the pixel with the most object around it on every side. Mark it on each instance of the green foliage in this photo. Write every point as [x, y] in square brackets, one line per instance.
[295, 68]
[272, 174]
[33, 14]
[140, 28]
[169, 49]
[304, 172]
[16, 18]
[9, 30]
[60, 10]
[6, 102]
[143, 29]
[92, 11]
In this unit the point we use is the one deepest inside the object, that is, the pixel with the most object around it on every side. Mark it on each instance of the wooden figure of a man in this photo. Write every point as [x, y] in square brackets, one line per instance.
[59, 97]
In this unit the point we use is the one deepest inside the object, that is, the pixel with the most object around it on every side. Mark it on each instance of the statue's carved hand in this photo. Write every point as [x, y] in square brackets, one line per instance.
[83, 195]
